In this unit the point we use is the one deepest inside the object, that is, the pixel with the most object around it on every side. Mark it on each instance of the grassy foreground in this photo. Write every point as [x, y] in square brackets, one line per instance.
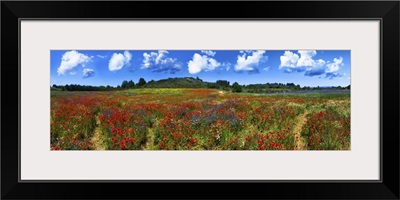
[198, 119]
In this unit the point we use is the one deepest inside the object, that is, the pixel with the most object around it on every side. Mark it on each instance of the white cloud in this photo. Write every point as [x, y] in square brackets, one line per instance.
[293, 60]
[118, 60]
[247, 62]
[209, 53]
[319, 63]
[72, 59]
[202, 62]
[100, 56]
[87, 72]
[335, 66]
[160, 62]
[213, 63]
[289, 59]
[226, 65]
[306, 58]
[266, 69]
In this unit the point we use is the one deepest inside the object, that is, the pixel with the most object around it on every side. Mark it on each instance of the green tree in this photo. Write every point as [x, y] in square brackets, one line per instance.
[236, 87]
[124, 84]
[141, 82]
[222, 83]
[131, 84]
[212, 85]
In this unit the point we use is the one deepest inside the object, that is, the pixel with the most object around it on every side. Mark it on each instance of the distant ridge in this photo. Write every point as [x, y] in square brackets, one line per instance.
[184, 82]
[190, 82]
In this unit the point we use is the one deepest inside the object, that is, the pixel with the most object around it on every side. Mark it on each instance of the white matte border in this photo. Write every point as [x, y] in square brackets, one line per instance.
[39, 163]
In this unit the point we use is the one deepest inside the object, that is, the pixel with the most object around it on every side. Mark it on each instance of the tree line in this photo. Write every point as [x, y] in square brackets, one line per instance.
[189, 82]
[76, 87]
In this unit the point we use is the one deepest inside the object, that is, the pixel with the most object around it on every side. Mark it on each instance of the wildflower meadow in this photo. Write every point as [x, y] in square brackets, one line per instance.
[198, 119]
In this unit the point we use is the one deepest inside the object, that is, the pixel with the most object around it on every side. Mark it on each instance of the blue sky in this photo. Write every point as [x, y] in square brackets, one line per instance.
[111, 67]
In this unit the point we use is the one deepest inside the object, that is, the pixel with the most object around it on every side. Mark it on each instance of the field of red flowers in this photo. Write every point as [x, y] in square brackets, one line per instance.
[198, 119]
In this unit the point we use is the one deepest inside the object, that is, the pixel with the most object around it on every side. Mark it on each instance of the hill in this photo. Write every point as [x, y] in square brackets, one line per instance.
[186, 82]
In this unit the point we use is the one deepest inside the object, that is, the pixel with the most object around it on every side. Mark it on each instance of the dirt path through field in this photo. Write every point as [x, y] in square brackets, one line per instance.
[299, 141]
[150, 140]
[97, 138]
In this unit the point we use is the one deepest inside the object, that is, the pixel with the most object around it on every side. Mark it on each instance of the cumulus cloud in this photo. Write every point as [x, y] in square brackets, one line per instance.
[72, 59]
[209, 53]
[303, 61]
[306, 59]
[100, 56]
[160, 62]
[87, 72]
[119, 60]
[289, 59]
[335, 66]
[202, 62]
[249, 61]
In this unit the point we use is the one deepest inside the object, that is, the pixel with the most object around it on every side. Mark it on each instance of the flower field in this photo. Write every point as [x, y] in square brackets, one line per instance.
[198, 119]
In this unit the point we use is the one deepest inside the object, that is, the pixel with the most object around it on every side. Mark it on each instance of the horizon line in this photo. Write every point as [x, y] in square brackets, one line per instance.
[202, 81]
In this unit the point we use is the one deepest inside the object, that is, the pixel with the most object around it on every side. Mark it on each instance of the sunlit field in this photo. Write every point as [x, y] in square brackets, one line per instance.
[198, 119]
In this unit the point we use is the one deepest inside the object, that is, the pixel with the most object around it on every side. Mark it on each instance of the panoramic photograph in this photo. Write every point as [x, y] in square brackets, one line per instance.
[292, 100]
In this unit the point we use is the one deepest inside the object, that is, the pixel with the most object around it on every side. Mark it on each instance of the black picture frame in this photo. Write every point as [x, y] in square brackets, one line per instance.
[386, 11]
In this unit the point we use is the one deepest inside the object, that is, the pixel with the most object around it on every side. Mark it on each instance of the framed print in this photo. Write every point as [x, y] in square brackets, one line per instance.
[258, 96]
